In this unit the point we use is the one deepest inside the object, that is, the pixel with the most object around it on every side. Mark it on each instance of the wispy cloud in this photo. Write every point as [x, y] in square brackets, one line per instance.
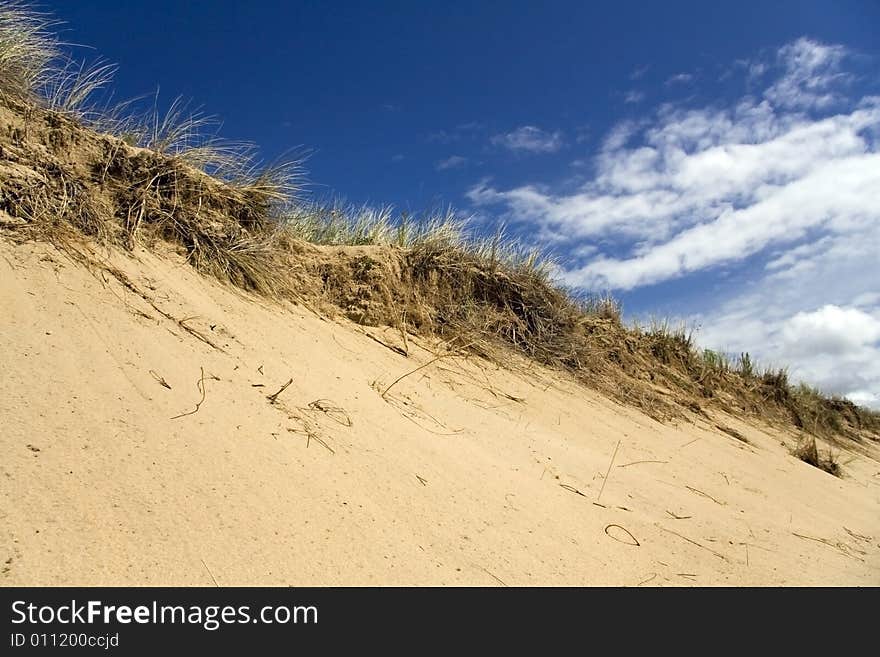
[639, 72]
[811, 70]
[451, 162]
[463, 131]
[531, 139]
[442, 137]
[787, 177]
[633, 97]
[470, 127]
[680, 78]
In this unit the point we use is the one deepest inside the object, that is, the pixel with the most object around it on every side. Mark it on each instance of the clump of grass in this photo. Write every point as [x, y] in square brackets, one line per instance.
[27, 49]
[36, 71]
[808, 452]
[492, 291]
[670, 344]
[336, 224]
[149, 182]
[716, 360]
[70, 85]
[745, 367]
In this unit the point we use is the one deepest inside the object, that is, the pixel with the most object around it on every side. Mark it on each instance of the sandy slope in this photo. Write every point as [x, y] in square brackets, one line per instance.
[465, 475]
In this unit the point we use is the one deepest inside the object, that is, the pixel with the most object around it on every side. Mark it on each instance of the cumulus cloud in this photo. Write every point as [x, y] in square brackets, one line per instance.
[834, 346]
[531, 139]
[831, 330]
[786, 178]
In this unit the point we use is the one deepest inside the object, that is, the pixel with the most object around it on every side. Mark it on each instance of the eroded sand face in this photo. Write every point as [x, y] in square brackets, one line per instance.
[461, 474]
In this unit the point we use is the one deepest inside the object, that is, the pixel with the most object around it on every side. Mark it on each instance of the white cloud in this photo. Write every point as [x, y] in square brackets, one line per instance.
[829, 337]
[451, 162]
[756, 70]
[680, 78]
[830, 330]
[697, 188]
[787, 176]
[838, 196]
[633, 97]
[811, 69]
[531, 139]
[816, 309]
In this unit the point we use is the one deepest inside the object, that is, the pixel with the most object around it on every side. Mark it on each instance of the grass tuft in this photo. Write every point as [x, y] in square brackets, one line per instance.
[27, 49]
[808, 452]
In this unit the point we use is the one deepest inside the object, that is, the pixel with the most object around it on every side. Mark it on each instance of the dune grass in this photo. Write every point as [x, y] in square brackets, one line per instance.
[153, 174]
[808, 451]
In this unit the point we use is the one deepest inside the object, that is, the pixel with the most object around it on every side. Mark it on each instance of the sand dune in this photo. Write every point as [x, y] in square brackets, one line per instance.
[140, 447]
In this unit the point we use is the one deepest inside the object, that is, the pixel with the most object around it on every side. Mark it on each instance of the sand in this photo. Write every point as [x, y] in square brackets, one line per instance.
[462, 474]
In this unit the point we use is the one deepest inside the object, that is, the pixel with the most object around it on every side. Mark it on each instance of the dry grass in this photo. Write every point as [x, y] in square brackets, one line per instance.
[124, 178]
[27, 49]
[808, 452]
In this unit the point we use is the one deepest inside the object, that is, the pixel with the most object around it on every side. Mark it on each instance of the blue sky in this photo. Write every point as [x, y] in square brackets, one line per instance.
[712, 162]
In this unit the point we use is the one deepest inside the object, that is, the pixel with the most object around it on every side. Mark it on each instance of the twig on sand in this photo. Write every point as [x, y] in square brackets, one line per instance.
[422, 480]
[320, 441]
[420, 367]
[607, 472]
[213, 579]
[342, 346]
[840, 547]
[402, 328]
[423, 366]
[633, 540]
[201, 387]
[273, 397]
[677, 517]
[395, 349]
[706, 495]
[626, 465]
[650, 579]
[497, 579]
[335, 413]
[572, 489]
[311, 435]
[160, 380]
[693, 542]
[858, 537]
[196, 334]
[413, 413]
